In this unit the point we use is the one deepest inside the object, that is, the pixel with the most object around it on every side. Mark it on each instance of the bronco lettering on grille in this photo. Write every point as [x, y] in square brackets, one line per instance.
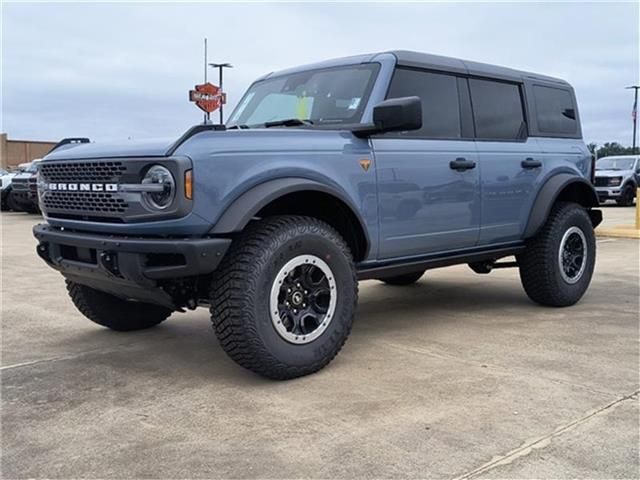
[83, 187]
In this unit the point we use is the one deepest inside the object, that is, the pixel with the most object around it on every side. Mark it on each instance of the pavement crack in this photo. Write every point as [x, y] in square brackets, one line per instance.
[541, 442]
[70, 356]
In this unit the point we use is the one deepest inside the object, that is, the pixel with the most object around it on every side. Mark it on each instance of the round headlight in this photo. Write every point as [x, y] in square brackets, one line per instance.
[164, 190]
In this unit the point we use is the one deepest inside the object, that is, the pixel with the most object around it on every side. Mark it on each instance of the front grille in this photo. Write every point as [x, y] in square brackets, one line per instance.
[85, 202]
[81, 204]
[84, 189]
[83, 171]
[602, 181]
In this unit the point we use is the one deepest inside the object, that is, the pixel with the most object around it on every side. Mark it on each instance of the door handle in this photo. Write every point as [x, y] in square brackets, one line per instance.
[461, 164]
[531, 163]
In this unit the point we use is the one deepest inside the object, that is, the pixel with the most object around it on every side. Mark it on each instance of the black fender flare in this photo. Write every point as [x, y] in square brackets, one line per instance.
[247, 205]
[550, 192]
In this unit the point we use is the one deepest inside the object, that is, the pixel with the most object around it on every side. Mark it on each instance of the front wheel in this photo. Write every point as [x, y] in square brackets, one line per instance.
[114, 313]
[557, 266]
[283, 300]
[626, 197]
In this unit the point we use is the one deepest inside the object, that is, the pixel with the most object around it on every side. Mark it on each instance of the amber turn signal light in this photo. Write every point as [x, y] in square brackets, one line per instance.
[188, 184]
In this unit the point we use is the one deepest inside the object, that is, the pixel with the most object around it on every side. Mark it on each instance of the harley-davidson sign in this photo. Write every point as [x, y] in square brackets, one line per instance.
[207, 97]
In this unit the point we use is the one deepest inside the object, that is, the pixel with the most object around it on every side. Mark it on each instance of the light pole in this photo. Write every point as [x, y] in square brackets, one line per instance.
[220, 67]
[634, 115]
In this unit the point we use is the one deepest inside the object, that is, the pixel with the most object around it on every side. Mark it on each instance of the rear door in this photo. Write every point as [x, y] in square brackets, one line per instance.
[510, 162]
[428, 179]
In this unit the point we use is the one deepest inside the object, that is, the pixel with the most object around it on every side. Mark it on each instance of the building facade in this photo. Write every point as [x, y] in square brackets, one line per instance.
[15, 152]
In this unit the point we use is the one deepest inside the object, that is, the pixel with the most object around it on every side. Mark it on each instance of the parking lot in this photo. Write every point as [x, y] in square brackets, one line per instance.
[459, 376]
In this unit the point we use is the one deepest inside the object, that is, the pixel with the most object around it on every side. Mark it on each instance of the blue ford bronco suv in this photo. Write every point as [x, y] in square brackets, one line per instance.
[378, 166]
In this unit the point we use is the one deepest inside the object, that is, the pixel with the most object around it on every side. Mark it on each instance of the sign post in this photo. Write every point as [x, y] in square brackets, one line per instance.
[220, 67]
[206, 96]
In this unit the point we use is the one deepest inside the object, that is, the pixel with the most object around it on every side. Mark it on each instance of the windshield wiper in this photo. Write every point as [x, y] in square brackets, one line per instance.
[289, 122]
[238, 127]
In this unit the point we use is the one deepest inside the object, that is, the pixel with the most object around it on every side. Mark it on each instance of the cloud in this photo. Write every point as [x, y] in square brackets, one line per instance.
[113, 71]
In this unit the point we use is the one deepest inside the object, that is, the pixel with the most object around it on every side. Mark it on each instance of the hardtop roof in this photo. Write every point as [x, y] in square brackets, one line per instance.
[429, 61]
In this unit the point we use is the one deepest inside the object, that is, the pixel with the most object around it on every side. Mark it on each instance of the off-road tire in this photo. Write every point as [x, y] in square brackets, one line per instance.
[626, 196]
[113, 312]
[403, 280]
[540, 272]
[240, 296]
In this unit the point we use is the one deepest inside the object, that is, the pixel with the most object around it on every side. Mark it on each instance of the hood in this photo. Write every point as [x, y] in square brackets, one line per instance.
[612, 173]
[22, 175]
[208, 142]
[128, 148]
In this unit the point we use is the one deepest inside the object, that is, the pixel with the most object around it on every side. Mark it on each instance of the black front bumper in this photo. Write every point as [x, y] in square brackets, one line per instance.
[128, 267]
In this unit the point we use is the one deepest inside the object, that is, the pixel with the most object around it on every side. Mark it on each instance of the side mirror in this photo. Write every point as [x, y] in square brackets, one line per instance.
[394, 115]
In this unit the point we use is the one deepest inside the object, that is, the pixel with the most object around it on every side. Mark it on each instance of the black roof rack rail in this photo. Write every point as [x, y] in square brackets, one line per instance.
[68, 141]
[194, 131]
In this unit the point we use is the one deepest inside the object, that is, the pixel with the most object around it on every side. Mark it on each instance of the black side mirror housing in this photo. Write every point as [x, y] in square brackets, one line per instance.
[393, 115]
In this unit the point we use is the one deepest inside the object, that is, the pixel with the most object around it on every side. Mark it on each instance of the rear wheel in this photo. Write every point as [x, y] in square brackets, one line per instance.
[283, 300]
[626, 197]
[113, 312]
[403, 280]
[557, 266]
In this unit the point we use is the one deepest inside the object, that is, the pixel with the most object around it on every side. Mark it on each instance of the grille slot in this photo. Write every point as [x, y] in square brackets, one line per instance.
[83, 171]
[20, 184]
[602, 181]
[105, 203]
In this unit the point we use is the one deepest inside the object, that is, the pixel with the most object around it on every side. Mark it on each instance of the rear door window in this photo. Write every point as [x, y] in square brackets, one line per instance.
[497, 110]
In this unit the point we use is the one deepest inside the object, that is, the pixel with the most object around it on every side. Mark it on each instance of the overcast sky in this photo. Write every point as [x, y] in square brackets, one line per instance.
[114, 71]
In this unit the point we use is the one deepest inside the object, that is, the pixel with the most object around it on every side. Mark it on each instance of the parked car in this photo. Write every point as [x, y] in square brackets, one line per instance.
[617, 178]
[325, 175]
[5, 187]
[24, 189]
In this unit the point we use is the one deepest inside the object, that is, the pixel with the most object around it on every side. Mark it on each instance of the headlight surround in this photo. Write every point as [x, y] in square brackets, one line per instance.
[159, 175]
[615, 181]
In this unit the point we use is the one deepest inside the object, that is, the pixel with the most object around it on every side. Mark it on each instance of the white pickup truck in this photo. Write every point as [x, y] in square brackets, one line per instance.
[5, 187]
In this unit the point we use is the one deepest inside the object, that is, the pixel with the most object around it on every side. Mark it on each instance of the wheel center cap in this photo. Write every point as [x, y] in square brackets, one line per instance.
[297, 297]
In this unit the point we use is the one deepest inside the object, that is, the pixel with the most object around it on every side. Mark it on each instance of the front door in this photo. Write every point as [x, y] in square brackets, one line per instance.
[428, 179]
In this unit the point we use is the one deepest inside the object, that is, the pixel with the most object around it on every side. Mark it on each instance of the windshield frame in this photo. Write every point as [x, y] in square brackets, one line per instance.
[333, 125]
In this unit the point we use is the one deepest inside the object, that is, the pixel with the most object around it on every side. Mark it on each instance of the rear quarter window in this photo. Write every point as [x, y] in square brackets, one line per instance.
[555, 111]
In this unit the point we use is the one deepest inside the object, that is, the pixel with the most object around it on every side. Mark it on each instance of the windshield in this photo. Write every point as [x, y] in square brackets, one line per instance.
[33, 167]
[327, 96]
[615, 163]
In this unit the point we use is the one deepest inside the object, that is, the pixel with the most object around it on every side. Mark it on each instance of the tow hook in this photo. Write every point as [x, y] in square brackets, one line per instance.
[110, 262]
[43, 252]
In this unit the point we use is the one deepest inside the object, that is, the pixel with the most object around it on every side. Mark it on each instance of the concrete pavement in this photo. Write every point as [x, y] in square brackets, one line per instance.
[459, 376]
